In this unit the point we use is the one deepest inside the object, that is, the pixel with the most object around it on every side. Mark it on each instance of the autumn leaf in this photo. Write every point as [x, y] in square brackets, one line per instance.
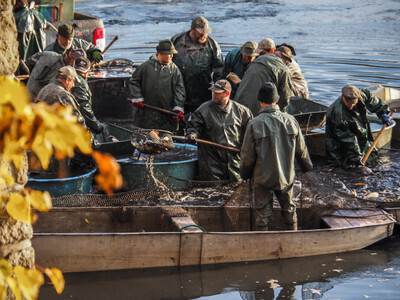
[56, 278]
[14, 93]
[109, 177]
[18, 207]
[5, 268]
[2, 291]
[13, 285]
[29, 281]
[41, 201]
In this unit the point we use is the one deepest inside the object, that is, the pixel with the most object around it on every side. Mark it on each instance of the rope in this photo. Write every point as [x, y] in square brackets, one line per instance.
[192, 225]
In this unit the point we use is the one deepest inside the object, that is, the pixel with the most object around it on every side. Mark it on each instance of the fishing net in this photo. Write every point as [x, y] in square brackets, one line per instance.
[151, 141]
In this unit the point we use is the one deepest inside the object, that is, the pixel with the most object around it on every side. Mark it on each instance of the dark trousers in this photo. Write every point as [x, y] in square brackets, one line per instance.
[263, 204]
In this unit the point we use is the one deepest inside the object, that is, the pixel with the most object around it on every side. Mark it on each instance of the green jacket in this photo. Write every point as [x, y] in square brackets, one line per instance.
[76, 44]
[348, 132]
[45, 69]
[83, 96]
[224, 126]
[266, 68]
[31, 32]
[272, 142]
[197, 62]
[160, 86]
[234, 63]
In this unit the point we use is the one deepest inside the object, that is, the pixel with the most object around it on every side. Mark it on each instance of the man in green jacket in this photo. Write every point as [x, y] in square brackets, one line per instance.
[83, 96]
[272, 142]
[46, 68]
[31, 27]
[66, 40]
[221, 121]
[266, 68]
[200, 61]
[348, 132]
[158, 82]
[237, 61]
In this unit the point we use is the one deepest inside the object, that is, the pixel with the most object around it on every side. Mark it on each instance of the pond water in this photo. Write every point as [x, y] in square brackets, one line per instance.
[338, 42]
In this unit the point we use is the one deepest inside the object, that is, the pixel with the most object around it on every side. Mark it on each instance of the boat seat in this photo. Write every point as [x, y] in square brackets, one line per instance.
[343, 218]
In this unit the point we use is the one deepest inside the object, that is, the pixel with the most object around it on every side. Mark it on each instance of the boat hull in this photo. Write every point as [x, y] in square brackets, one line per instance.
[88, 250]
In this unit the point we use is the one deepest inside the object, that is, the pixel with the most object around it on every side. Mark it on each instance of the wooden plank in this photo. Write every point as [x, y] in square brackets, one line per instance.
[185, 224]
[352, 218]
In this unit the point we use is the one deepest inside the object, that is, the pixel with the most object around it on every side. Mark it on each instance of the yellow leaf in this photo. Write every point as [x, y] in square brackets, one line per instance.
[12, 283]
[109, 177]
[14, 93]
[18, 207]
[29, 281]
[41, 201]
[2, 291]
[5, 268]
[43, 150]
[5, 174]
[57, 278]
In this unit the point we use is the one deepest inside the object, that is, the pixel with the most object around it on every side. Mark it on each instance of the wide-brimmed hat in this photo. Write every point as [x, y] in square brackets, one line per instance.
[265, 44]
[67, 31]
[286, 52]
[166, 47]
[201, 25]
[249, 48]
[351, 93]
[268, 93]
[221, 86]
[68, 71]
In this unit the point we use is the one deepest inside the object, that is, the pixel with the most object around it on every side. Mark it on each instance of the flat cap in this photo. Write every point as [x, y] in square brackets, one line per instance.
[351, 93]
[201, 25]
[268, 93]
[68, 71]
[67, 31]
[221, 86]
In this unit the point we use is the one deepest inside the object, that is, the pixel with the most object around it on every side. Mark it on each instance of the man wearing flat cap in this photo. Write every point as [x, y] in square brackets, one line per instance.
[200, 61]
[266, 68]
[158, 82]
[272, 142]
[83, 96]
[59, 91]
[66, 40]
[265, 46]
[348, 132]
[221, 121]
[46, 68]
[236, 62]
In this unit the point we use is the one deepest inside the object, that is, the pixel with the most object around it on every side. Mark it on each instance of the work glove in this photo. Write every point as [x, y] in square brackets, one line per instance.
[97, 56]
[191, 137]
[386, 119]
[138, 102]
[180, 115]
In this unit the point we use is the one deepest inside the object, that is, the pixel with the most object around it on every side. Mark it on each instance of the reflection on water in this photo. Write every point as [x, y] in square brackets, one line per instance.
[375, 272]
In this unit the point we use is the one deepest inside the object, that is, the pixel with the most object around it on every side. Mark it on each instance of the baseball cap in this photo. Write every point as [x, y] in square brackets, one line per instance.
[249, 48]
[351, 93]
[82, 65]
[201, 25]
[68, 71]
[67, 31]
[221, 86]
[77, 53]
[286, 52]
[265, 44]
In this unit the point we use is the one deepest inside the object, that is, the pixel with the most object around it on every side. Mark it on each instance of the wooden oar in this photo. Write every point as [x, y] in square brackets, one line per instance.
[110, 44]
[183, 138]
[166, 111]
[376, 139]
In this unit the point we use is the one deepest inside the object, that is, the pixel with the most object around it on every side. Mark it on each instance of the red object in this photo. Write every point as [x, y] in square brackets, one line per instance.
[180, 115]
[99, 37]
[138, 104]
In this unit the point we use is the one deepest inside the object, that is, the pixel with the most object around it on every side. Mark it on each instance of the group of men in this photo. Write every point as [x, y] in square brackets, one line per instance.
[239, 102]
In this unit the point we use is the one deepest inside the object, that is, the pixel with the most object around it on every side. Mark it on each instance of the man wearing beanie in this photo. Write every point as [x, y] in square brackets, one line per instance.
[273, 140]
[221, 121]
[158, 82]
[236, 61]
[66, 40]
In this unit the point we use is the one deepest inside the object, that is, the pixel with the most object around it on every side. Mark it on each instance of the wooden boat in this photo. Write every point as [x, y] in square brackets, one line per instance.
[112, 238]
[310, 116]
